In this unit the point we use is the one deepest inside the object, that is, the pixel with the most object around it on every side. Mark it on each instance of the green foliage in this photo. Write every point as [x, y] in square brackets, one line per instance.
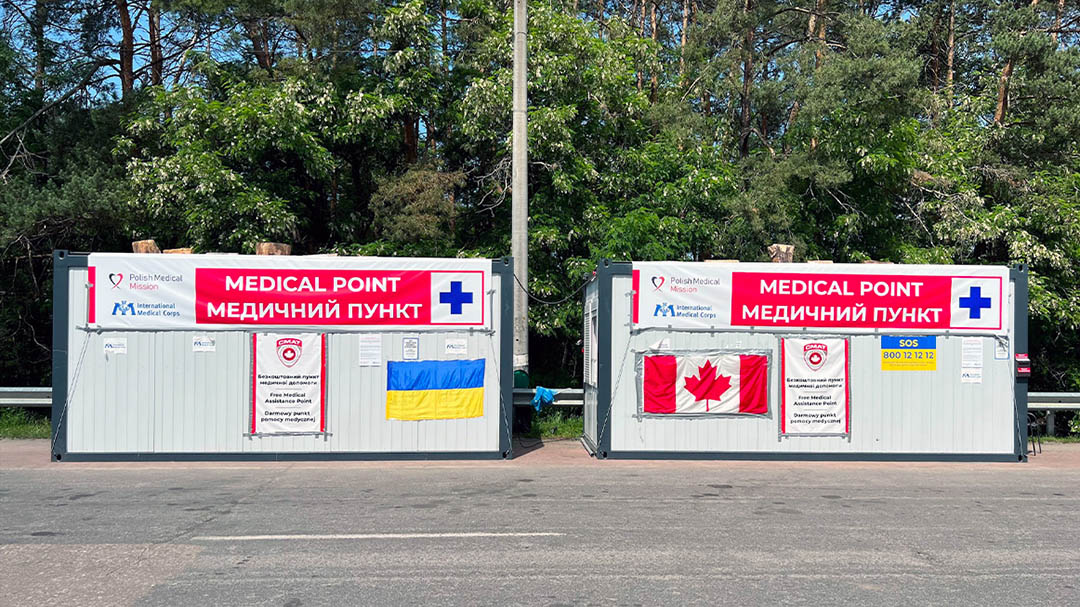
[22, 423]
[383, 128]
[554, 423]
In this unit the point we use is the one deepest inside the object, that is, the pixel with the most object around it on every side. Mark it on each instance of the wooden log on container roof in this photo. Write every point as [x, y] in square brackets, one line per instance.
[180, 251]
[819, 261]
[782, 253]
[273, 248]
[145, 246]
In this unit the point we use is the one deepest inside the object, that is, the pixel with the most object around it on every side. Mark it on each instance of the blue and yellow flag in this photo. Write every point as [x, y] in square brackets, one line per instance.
[434, 389]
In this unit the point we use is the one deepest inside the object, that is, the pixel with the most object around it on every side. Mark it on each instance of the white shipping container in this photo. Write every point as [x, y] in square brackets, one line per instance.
[961, 399]
[181, 387]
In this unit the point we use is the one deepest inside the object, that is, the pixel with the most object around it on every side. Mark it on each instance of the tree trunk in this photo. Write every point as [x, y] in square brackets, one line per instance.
[156, 61]
[682, 39]
[950, 56]
[410, 129]
[641, 26]
[654, 80]
[38, 19]
[127, 49]
[1003, 87]
[819, 55]
[1057, 20]
[748, 75]
[258, 35]
[935, 52]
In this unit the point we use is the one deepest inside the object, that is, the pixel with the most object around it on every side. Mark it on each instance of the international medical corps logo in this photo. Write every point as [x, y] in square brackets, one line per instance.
[815, 354]
[123, 308]
[664, 309]
[288, 350]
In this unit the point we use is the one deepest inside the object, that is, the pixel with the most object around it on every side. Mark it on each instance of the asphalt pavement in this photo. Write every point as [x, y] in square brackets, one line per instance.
[552, 527]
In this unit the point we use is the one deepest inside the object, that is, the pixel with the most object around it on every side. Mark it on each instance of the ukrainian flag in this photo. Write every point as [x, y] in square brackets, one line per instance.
[434, 389]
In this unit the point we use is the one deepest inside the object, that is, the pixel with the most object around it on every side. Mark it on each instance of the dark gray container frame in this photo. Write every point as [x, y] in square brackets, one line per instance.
[64, 260]
[606, 270]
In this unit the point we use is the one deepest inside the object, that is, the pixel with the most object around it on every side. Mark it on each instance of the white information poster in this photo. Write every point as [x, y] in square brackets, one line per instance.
[814, 387]
[370, 350]
[288, 388]
[971, 353]
[410, 348]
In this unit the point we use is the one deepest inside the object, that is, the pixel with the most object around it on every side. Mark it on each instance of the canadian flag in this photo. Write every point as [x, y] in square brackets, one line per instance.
[720, 384]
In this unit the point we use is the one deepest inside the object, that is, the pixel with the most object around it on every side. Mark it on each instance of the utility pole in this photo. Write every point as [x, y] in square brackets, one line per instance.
[519, 240]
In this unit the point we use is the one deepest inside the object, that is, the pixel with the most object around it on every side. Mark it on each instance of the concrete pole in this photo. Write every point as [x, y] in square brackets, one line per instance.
[519, 245]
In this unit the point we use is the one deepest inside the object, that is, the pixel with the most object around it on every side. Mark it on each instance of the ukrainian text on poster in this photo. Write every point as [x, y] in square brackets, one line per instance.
[856, 298]
[288, 387]
[814, 387]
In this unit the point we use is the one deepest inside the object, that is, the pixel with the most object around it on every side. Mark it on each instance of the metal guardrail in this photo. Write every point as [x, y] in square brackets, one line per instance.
[25, 397]
[42, 397]
[564, 397]
[567, 397]
[1054, 401]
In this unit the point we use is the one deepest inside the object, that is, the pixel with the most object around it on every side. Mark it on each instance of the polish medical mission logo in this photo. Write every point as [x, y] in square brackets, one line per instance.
[815, 355]
[288, 350]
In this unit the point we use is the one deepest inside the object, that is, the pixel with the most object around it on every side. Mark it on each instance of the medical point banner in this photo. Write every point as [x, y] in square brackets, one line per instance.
[288, 393]
[226, 291]
[853, 298]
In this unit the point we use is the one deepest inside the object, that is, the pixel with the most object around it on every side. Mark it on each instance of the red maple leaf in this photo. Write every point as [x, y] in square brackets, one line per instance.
[709, 384]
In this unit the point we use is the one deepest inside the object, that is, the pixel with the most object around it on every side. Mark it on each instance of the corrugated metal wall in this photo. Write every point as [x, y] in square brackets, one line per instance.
[891, 411]
[161, 397]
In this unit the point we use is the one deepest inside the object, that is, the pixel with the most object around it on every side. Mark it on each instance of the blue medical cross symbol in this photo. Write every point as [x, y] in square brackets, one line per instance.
[455, 297]
[975, 302]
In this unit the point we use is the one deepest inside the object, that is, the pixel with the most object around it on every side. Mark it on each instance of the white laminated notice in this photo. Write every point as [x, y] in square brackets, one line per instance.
[410, 348]
[370, 350]
[971, 356]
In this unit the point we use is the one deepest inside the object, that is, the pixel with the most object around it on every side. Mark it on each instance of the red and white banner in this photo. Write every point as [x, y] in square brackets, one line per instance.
[814, 396]
[855, 298]
[223, 291]
[288, 384]
[705, 384]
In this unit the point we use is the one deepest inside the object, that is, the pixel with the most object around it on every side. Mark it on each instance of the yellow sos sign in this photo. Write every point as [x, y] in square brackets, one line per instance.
[908, 353]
